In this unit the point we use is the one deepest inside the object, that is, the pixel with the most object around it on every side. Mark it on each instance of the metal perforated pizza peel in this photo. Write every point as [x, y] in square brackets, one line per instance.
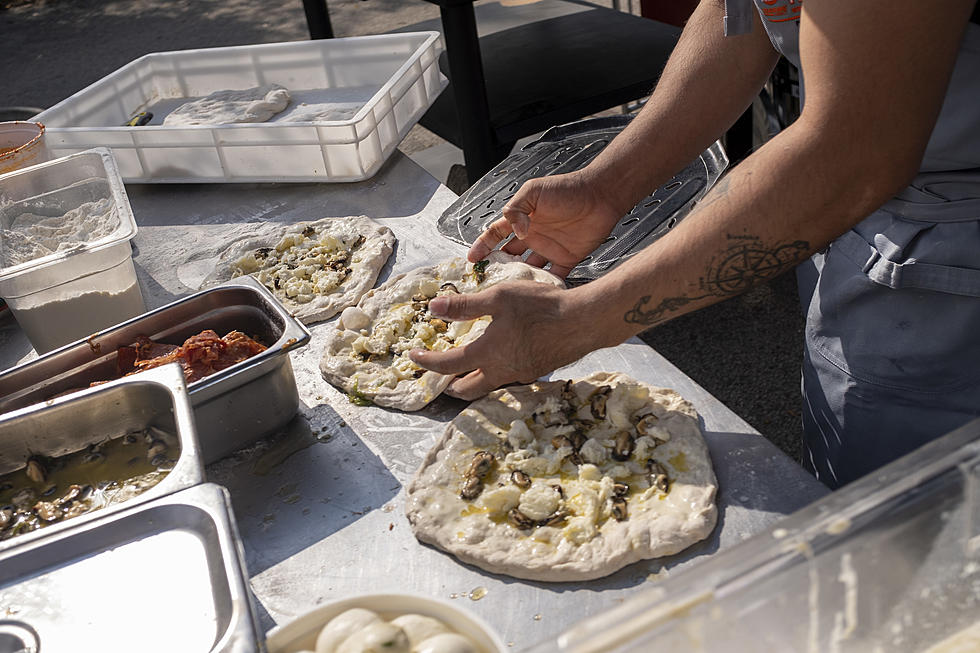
[567, 148]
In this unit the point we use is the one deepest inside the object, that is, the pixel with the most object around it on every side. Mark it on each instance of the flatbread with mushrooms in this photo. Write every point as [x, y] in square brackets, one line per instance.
[367, 354]
[567, 480]
[316, 269]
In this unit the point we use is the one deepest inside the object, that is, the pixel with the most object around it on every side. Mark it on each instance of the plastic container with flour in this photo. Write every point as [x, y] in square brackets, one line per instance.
[66, 267]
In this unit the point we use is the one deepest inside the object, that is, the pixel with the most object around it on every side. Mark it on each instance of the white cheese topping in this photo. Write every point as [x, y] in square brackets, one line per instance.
[303, 264]
[519, 435]
[540, 501]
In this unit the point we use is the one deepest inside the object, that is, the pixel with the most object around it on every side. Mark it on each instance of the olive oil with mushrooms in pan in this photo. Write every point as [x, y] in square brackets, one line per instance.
[50, 490]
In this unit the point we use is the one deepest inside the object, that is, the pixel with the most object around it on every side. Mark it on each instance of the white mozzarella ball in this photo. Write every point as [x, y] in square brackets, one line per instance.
[540, 501]
[354, 319]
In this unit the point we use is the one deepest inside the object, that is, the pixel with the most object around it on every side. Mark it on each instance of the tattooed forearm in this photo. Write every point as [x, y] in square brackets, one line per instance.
[639, 314]
[746, 262]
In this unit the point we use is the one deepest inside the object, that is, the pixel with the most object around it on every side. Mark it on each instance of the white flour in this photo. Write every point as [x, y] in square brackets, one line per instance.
[72, 317]
[31, 236]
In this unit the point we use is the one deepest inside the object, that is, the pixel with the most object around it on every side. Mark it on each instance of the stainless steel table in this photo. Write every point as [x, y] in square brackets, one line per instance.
[320, 506]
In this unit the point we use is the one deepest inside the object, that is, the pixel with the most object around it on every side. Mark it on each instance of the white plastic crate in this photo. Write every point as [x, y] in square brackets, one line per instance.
[386, 81]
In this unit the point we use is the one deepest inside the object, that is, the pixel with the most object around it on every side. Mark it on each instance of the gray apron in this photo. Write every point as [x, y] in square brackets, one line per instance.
[892, 339]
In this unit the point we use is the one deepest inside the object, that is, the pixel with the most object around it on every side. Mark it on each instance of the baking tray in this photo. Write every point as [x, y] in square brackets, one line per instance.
[233, 407]
[164, 576]
[378, 85]
[890, 562]
[567, 148]
[155, 400]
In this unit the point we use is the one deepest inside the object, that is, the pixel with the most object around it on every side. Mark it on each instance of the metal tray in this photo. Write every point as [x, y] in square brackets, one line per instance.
[567, 148]
[165, 576]
[68, 424]
[233, 407]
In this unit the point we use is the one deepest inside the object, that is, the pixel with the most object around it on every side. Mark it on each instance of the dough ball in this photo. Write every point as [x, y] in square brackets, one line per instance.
[419, 627]
[379, 637]
[447, 643]
[343, 626]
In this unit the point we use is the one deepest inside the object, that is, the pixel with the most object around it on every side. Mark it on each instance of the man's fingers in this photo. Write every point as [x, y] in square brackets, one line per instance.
[515, 247]
[560, 271]
[536, 260]
[468, 306]
[497, 231]
[518, 215]
[472, 386]
[451, 361]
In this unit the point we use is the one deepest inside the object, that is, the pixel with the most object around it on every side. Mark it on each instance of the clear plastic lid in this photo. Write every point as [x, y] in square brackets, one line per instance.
[888, 563]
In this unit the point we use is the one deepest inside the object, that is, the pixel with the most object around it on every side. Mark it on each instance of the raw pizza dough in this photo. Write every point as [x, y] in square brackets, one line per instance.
[367, 354]
[315, 269]
[594, 439]
[256, 104]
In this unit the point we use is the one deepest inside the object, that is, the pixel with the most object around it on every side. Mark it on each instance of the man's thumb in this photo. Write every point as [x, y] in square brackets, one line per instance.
[460, 307]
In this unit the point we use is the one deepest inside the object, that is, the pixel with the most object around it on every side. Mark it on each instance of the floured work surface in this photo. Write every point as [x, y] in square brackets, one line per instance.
[320, 507]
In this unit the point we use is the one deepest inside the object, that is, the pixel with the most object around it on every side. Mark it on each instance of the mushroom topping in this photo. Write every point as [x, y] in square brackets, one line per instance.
[439, 325]
[597, 402]
[520, 479]
[620, 489]
[480, 465]
[647, 425]
[472, 487]
[521, 520]
[35, 470]
[473, 478]
[449, 288]
[555, 519]
[420, 302]
[619, 508]
[567, 394]
[658, 475]
[623, 446]
[309, 232]
[47, 511]
[560, 441]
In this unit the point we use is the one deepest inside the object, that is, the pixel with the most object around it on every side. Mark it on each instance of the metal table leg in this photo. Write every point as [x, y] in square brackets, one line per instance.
[318, 19]
[469, 89]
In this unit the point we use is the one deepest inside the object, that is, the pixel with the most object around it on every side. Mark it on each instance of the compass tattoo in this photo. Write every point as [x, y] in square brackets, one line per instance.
[745, 263]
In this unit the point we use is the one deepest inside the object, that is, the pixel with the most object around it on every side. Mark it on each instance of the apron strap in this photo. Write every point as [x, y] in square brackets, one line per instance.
[738, 17]
[910, 274]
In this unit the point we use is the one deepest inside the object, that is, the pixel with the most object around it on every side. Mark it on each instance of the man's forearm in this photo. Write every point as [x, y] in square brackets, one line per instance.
[748, 229]
[708, 82]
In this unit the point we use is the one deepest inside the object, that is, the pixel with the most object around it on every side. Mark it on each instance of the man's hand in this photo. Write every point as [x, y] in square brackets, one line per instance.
[561, 218]
[536, 329]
